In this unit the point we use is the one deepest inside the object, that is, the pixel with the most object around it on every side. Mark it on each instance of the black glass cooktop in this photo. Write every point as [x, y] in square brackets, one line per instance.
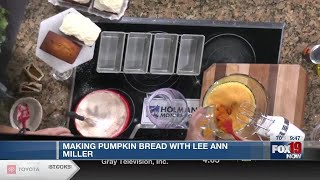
[258, 43]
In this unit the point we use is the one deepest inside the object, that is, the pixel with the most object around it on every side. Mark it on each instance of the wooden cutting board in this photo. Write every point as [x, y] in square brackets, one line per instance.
[286, 86]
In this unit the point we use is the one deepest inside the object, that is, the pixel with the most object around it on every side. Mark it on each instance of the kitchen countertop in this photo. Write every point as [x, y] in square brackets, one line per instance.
[302, 28]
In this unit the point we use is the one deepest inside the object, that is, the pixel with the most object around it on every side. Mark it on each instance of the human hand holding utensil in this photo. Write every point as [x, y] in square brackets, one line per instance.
[74, 115]
[198, 125]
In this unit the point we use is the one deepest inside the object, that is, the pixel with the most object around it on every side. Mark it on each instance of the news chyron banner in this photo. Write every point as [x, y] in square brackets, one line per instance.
[151, 150]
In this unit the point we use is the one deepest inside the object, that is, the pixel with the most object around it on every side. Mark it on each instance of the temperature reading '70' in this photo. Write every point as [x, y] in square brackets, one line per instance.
[279, 137]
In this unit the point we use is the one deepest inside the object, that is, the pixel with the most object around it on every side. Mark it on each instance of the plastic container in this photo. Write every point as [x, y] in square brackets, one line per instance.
[111, 52]
[190, 54]
[106, 14]
[167, 109]
[52, 24]
[138, 48]
[164, 54]
[88, 8]
[73, 4]
[137, 53]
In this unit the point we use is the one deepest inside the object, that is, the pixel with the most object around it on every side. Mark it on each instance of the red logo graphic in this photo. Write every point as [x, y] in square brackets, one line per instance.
[11, 169]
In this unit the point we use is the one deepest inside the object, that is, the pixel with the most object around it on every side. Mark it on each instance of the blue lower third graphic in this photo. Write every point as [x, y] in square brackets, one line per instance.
[168, 150]
[123, 150]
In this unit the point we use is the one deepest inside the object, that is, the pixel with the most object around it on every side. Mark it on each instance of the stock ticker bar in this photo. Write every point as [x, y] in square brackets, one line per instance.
[165, 150]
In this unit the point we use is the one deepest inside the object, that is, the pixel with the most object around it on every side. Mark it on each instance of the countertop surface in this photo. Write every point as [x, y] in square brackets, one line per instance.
[302, 28]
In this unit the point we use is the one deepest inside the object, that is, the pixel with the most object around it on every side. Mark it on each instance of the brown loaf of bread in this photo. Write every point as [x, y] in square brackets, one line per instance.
[60, 47]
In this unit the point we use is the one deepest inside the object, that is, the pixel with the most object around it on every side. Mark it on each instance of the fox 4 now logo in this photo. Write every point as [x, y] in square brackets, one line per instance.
[286, 150]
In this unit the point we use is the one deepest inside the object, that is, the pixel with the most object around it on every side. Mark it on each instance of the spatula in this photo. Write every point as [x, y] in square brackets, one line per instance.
[226, 126]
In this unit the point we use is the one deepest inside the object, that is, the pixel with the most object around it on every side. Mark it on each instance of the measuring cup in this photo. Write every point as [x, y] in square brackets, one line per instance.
[207, 122]
[201, 125]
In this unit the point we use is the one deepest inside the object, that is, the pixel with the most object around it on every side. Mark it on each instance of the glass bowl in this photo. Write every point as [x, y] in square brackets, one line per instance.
[246, 129]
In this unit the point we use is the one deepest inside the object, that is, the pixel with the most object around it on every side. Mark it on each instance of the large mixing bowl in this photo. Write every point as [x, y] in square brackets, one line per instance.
[248, 129]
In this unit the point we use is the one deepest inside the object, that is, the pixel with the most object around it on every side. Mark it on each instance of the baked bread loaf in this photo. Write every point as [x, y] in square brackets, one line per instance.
[80, 27]
[60, 47]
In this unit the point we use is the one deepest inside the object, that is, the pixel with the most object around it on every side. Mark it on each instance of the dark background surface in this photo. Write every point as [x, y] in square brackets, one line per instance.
[16, 10]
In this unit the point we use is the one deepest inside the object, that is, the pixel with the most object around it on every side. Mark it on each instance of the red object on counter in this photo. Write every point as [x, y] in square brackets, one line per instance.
[23, 114]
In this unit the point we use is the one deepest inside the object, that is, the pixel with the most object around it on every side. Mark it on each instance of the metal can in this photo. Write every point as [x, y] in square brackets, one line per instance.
[312, 54]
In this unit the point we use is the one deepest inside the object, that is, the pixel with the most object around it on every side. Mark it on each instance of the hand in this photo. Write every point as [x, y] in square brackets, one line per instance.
[197, 124]
[58, 131]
